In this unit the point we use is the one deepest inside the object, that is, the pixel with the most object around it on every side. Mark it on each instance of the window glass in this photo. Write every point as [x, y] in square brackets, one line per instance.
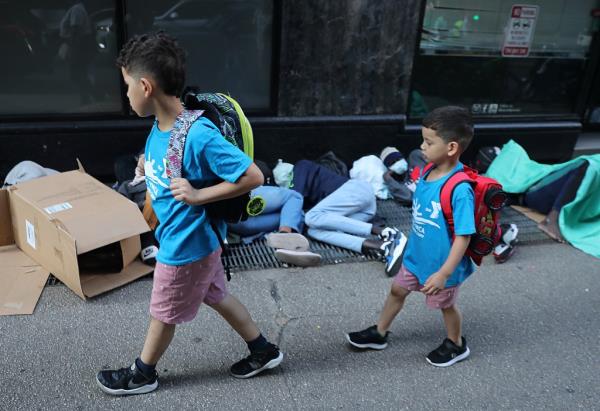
[467, 56]
[59, 57]
[228, 42]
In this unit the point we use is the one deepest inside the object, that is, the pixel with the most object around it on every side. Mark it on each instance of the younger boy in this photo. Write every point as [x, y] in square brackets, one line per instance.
[434, 263]
[189, 270]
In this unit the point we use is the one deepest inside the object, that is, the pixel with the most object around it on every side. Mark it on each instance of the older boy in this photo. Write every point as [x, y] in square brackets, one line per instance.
[189, 270]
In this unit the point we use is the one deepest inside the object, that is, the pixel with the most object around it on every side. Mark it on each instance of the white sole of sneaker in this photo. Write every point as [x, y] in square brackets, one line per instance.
[365, 346]
[396, 261]
[452, 361]
[288, 241]
[271, 364]
[141, 390]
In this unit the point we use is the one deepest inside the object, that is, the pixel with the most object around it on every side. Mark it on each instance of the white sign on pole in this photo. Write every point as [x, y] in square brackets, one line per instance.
[519, 33]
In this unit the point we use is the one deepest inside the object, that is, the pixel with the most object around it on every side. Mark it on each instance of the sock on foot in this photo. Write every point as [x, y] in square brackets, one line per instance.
[146, 369]
[258, 344]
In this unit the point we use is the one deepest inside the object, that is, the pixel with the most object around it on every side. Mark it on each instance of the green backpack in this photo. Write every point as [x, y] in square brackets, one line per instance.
[225, 113]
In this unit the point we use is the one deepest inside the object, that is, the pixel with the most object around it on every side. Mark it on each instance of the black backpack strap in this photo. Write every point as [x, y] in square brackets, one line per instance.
[224, 248]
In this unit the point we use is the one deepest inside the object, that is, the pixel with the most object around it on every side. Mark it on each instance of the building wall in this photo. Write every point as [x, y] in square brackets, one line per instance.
[346, 57]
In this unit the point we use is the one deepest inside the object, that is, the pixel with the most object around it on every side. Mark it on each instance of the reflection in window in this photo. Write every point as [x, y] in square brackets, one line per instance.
[460, 59]
[228, 42]
[60, 58]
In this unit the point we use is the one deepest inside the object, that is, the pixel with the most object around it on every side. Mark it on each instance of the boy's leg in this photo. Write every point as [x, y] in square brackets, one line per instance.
[393, 304]
[263, 354]
[238, 317]
[376, 336]
[158, 339]
[453, 322]
[454, 348]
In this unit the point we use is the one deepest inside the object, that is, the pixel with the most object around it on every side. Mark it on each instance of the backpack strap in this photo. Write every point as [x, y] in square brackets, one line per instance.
[174, 164]
[417, 172]
[177, 138]
[459, 177]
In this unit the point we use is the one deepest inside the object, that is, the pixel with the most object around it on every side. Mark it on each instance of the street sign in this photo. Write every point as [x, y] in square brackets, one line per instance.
[520, 29]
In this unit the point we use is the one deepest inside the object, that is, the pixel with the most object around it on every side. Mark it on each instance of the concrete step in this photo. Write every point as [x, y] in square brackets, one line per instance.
[587, 143]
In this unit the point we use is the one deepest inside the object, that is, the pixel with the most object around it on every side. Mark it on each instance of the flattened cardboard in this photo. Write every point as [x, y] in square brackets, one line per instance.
[6, 234]
[529, 213]
[22, 281]
[53, 219]
[95, 284]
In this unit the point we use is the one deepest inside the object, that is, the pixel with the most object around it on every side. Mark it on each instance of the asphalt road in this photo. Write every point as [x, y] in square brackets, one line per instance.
[533, 326]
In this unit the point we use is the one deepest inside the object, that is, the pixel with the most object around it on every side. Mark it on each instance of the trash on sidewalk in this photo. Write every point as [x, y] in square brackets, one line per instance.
[65, 224]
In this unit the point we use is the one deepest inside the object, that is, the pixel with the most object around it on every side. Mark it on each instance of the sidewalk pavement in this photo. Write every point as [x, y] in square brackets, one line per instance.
[533, 326]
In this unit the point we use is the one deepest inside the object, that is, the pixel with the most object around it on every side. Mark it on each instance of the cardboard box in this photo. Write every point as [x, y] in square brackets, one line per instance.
[55, 219]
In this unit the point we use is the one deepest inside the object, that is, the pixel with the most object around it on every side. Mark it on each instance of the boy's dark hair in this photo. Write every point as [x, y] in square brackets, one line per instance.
[451, 123]
[158, 55]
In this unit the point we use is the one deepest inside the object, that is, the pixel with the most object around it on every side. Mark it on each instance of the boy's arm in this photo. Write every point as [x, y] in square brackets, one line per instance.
[436, 282]
[182, 190]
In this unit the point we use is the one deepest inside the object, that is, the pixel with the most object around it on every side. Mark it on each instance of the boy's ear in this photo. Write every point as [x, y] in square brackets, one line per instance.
[453, 148]
[147, 86]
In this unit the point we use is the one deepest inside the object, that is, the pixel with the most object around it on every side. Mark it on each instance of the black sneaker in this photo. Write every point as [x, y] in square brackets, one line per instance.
[368, 338]
[448, 353]
[126, 381]
[257, 362]
[394, 252]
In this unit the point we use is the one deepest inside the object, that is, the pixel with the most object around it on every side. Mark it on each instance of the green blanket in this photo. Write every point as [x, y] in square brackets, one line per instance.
[579, 220]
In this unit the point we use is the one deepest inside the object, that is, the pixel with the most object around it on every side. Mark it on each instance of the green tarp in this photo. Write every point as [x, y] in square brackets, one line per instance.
[579, 220]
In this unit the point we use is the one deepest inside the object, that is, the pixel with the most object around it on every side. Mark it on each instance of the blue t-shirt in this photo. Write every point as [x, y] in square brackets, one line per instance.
[184, 233]
[430, 241]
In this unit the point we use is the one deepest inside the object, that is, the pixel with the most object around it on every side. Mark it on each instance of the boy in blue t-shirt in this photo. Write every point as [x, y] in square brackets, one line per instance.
[188, 270]
[434, 263]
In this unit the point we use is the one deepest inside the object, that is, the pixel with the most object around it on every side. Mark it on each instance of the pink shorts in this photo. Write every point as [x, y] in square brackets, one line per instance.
[444, 299]
[178, 291]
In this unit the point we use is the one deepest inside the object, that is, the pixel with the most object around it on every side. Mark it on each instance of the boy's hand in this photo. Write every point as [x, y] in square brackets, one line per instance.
[140, 174]
[435, 283]
[182, 190]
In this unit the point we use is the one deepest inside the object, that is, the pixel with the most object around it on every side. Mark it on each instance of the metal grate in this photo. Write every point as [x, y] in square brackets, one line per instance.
[258, 256]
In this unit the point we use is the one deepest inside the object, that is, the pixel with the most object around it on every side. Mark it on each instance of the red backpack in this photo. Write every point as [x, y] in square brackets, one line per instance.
[489, 199]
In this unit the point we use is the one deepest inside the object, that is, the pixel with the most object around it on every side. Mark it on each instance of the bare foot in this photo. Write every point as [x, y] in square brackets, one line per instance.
[550, 226]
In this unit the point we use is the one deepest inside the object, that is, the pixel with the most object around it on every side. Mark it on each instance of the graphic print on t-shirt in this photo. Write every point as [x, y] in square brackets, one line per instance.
[152, 178]
[419, 221]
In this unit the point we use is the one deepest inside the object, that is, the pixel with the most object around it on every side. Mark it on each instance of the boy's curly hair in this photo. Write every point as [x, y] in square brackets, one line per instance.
[158, 55]
[451, 123]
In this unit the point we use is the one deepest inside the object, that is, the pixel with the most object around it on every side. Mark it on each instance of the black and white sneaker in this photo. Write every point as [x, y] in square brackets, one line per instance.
[448, 353]
[148, 254]
[368, 338]
[126, 381]
[388, 234]
[393, 252]
[502, 252]
[257, 362]
[509, 233]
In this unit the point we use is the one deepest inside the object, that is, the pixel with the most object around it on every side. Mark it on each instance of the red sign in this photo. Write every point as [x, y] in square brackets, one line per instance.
[519, 31]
